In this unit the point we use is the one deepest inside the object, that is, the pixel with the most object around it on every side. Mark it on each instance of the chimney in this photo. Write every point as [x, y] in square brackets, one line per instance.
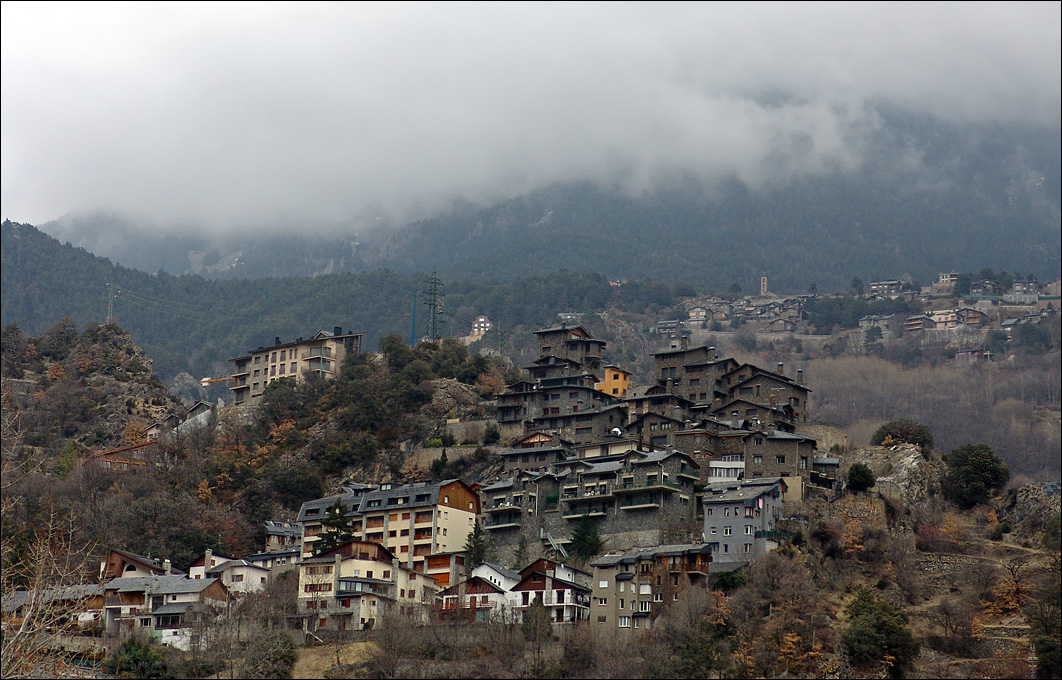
[781, 368]
[207, 559]
[337, 331]
[684, 342]
[800, 376]
[276, 341]
[711, 354]
[167, 567]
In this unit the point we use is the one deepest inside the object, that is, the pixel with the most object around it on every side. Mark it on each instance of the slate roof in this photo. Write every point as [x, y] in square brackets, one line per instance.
[632, 556]
[746, 490]
[160, 585]
[358, 499]
[507, 573]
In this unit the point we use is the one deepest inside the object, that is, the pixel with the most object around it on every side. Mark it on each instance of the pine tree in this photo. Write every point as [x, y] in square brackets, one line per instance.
[338, 528]
[586, 542]
[476, 547]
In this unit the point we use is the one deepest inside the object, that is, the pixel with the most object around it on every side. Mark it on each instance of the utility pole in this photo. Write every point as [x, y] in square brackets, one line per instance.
[435, 306]
[110, 303]
[413, 328]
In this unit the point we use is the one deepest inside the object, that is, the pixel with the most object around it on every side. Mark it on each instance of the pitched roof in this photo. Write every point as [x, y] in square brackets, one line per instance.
[160, 585]
[632, 556]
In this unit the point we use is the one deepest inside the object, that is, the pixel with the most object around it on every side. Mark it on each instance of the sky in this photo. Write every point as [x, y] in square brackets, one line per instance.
[263, 114]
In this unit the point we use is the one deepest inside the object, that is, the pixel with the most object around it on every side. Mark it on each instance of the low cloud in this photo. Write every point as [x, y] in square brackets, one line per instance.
[311, 114]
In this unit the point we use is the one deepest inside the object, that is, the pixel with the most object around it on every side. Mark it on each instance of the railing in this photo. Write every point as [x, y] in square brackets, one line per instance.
[586, 493]
[317, 353]
[649, 484]
[640, 502]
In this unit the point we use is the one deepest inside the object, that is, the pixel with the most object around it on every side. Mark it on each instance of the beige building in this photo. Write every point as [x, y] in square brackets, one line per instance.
[425, 524]
[321, 355]
[350, 588]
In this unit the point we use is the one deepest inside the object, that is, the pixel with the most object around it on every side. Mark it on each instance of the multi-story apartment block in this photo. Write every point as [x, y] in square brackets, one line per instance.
[321, 356]
[574, 343]
[761, 386]
[634, 498]
[425, 524]
[773, 453]
[632, 588]
[657, 399]
[886, 289]
[741, 519]
[691, 373]
[349, 588]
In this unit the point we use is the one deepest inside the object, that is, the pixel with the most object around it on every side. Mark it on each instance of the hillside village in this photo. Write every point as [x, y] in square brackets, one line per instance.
[595, 504]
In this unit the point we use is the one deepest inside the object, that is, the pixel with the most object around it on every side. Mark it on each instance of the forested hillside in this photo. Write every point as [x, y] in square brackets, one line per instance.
[928, 197]
[188, 323]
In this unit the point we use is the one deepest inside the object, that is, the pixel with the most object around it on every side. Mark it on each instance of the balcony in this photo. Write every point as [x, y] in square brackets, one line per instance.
[501, 507]
[639, 503]
[571, 494]
[317, 353]
[504, 523]
[584, 512]
[652, 484]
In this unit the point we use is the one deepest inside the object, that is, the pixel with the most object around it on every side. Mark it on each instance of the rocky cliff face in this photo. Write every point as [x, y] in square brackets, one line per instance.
[96, 389]
[901, 471]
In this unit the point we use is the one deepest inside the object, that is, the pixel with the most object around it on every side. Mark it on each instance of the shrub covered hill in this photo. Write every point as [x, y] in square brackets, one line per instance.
[912, 576]
[69, 397]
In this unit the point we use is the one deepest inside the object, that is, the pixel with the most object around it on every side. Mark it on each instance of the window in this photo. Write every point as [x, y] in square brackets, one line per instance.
[757, 460]
[708, 512]
[644, 606]
[624, 622]
[602, 584]
[748, 547]
[726, 531]
[780, 460]
[748, 530]
[236, 578]
[282, 366]
[602, 601]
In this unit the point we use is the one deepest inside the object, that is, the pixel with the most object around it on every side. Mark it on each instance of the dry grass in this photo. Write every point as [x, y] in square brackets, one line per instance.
[314, 662]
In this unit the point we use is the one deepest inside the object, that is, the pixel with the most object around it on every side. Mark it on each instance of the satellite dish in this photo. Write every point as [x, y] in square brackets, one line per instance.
[616, 432]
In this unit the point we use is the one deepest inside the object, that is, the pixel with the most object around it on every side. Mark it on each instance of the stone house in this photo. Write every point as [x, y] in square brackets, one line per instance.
[761, 386]
[633, 498]
[632, 588]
